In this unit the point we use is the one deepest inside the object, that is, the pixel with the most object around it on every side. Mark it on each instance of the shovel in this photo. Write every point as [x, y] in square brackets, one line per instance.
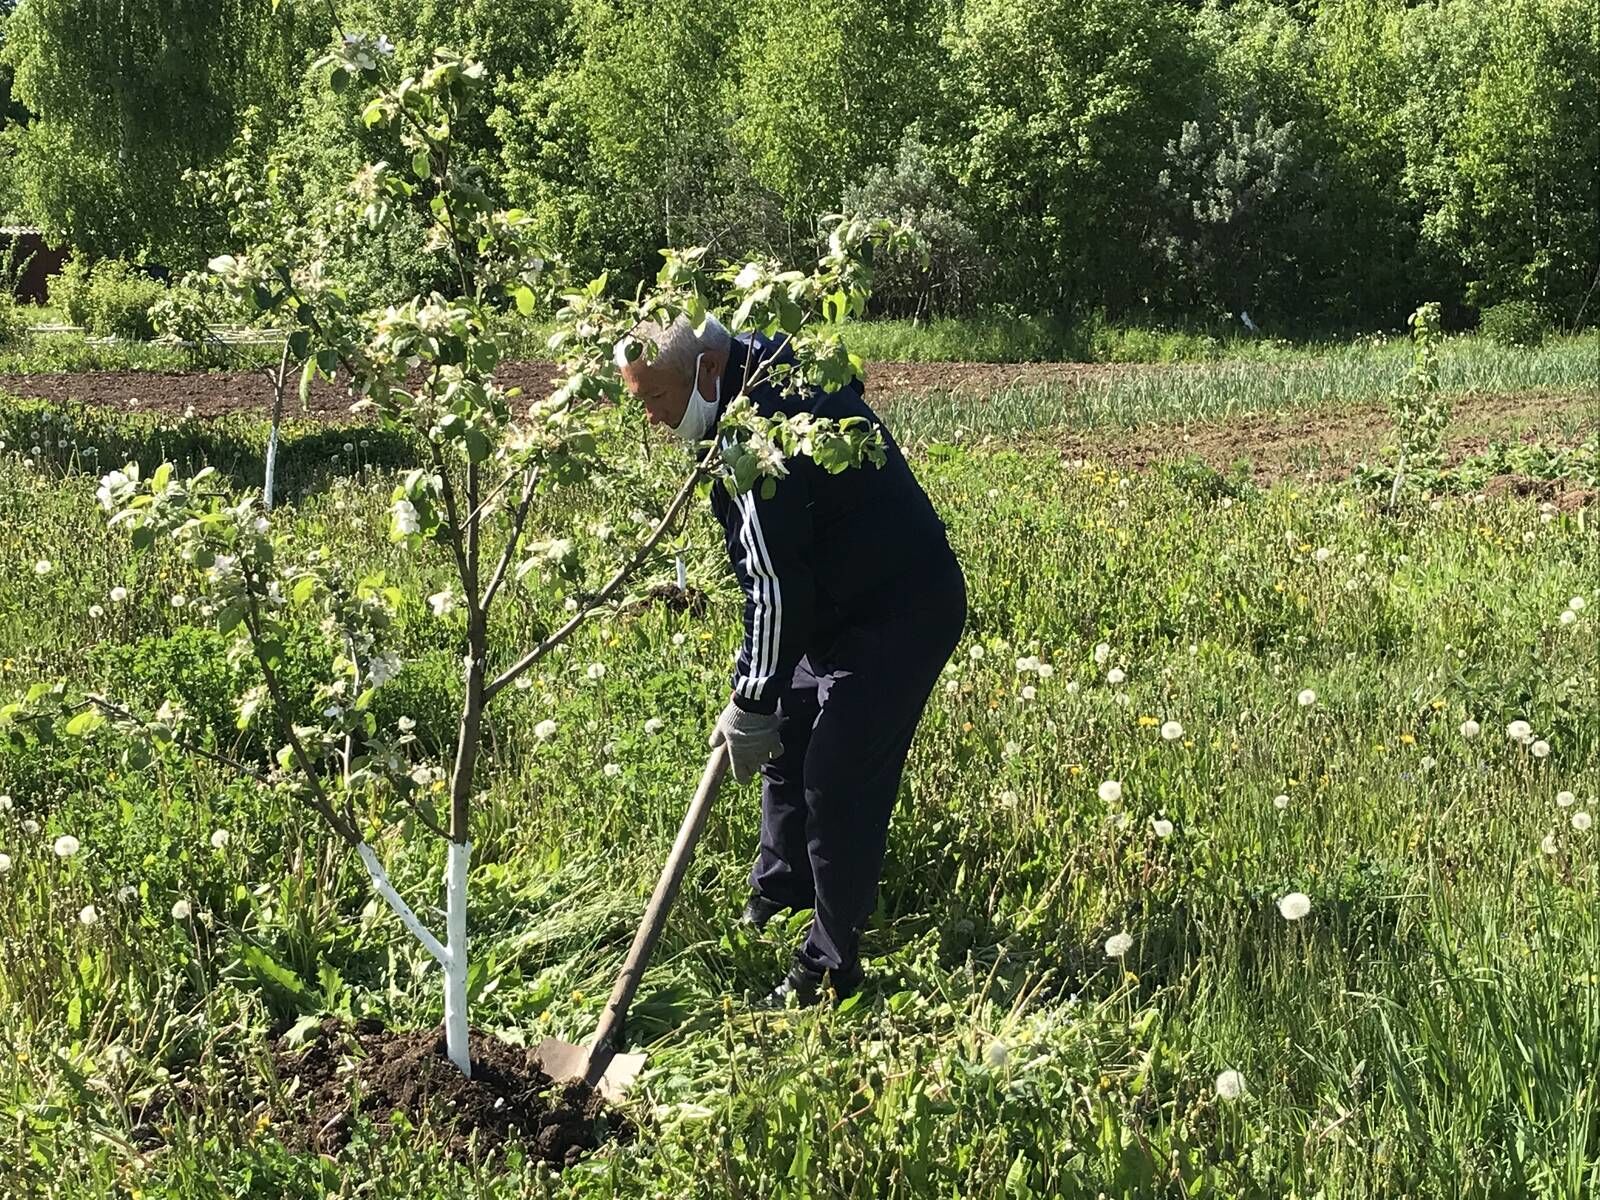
[598, 1063]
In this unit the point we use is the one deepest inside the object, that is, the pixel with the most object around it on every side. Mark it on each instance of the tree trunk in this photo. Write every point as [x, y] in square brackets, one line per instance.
[455, 969]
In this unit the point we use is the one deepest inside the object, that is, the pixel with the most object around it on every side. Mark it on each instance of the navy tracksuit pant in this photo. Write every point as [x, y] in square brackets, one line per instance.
[849, 714]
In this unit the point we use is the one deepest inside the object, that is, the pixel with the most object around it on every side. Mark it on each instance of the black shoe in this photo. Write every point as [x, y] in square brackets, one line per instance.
[804, 987]
[758, 910]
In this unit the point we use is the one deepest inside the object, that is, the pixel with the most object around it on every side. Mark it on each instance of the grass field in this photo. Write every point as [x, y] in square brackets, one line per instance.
[1297, 693]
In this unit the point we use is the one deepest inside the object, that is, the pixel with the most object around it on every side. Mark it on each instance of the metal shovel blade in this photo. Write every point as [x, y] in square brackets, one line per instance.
[563, 1061]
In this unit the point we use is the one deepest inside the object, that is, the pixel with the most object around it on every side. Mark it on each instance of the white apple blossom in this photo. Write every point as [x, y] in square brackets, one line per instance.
[407, 520]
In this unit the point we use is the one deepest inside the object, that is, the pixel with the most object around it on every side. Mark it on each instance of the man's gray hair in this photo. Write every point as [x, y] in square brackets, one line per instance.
[677, 345]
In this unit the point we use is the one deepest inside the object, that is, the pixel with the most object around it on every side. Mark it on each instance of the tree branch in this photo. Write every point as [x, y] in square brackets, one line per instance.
[510, 674]
[342, 824]
[518, 519]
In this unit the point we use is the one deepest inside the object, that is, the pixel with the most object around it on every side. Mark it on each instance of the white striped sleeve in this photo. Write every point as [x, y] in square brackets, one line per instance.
[764, 635]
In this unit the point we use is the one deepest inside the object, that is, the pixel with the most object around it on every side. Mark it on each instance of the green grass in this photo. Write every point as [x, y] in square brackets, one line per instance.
[1428, 1030]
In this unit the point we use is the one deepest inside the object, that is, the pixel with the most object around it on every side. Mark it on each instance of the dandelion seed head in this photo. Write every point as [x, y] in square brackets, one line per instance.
[88, 914]
[1565, 799]
[1171, 731]
[1230, 1085]
[1118, 945]
[181, 910]
[1581, 821]
[1162, 827]
[1548, 843]
[1280, 801]
[995, 1053]
[1306, 698]
[1470, 729]
[1540, 749]
[1294, 906]
[654, 725]
[65, 846]
[611, 770]
[596, 671]
[1519, 731]
[545, 730]
[1029, 692]
[1110, 791]
[220, 839]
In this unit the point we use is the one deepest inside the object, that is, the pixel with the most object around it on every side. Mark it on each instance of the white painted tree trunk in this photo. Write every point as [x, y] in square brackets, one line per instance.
[455, 971]
[452, 958]
[272, 467]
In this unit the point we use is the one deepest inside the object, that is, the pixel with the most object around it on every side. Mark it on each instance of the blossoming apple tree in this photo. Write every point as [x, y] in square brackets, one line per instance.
[426, 365]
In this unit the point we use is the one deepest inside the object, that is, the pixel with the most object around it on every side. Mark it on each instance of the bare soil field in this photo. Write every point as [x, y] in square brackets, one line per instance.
[212, 393]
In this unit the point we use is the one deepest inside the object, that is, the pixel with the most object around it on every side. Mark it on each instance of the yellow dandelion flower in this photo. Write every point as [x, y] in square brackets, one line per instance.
[1407, 740]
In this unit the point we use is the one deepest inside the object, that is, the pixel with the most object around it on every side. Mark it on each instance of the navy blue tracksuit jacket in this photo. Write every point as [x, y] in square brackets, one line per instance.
[853, 604]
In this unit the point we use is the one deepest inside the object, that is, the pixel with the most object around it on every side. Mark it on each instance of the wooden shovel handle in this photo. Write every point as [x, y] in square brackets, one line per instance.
[655, 915]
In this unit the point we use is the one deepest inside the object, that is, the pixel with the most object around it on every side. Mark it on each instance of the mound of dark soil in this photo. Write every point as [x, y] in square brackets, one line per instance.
[341, 1071]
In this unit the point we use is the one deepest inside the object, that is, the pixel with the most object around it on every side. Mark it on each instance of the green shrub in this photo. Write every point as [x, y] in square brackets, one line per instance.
[69, 291]
[109, 299]
[120, 299]
[12, 327]
[1515, 323]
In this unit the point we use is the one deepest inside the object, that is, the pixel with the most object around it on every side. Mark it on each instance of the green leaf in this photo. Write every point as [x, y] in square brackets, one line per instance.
[275, 977]
[85, 723]
[421, 164]
[477, 444]
[524, 299]
[299, 343]
[301, 1028]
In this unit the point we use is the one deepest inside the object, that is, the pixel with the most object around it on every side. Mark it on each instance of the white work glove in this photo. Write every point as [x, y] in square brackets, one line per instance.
[751, 738]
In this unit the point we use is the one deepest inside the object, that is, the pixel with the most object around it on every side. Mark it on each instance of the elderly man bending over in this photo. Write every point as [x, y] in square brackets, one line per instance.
[853, 604]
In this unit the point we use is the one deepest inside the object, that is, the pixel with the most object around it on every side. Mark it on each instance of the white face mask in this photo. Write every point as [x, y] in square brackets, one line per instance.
[700, 414]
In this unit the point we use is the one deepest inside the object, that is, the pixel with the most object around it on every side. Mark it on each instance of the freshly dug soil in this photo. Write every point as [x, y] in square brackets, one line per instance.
[340, 1071]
